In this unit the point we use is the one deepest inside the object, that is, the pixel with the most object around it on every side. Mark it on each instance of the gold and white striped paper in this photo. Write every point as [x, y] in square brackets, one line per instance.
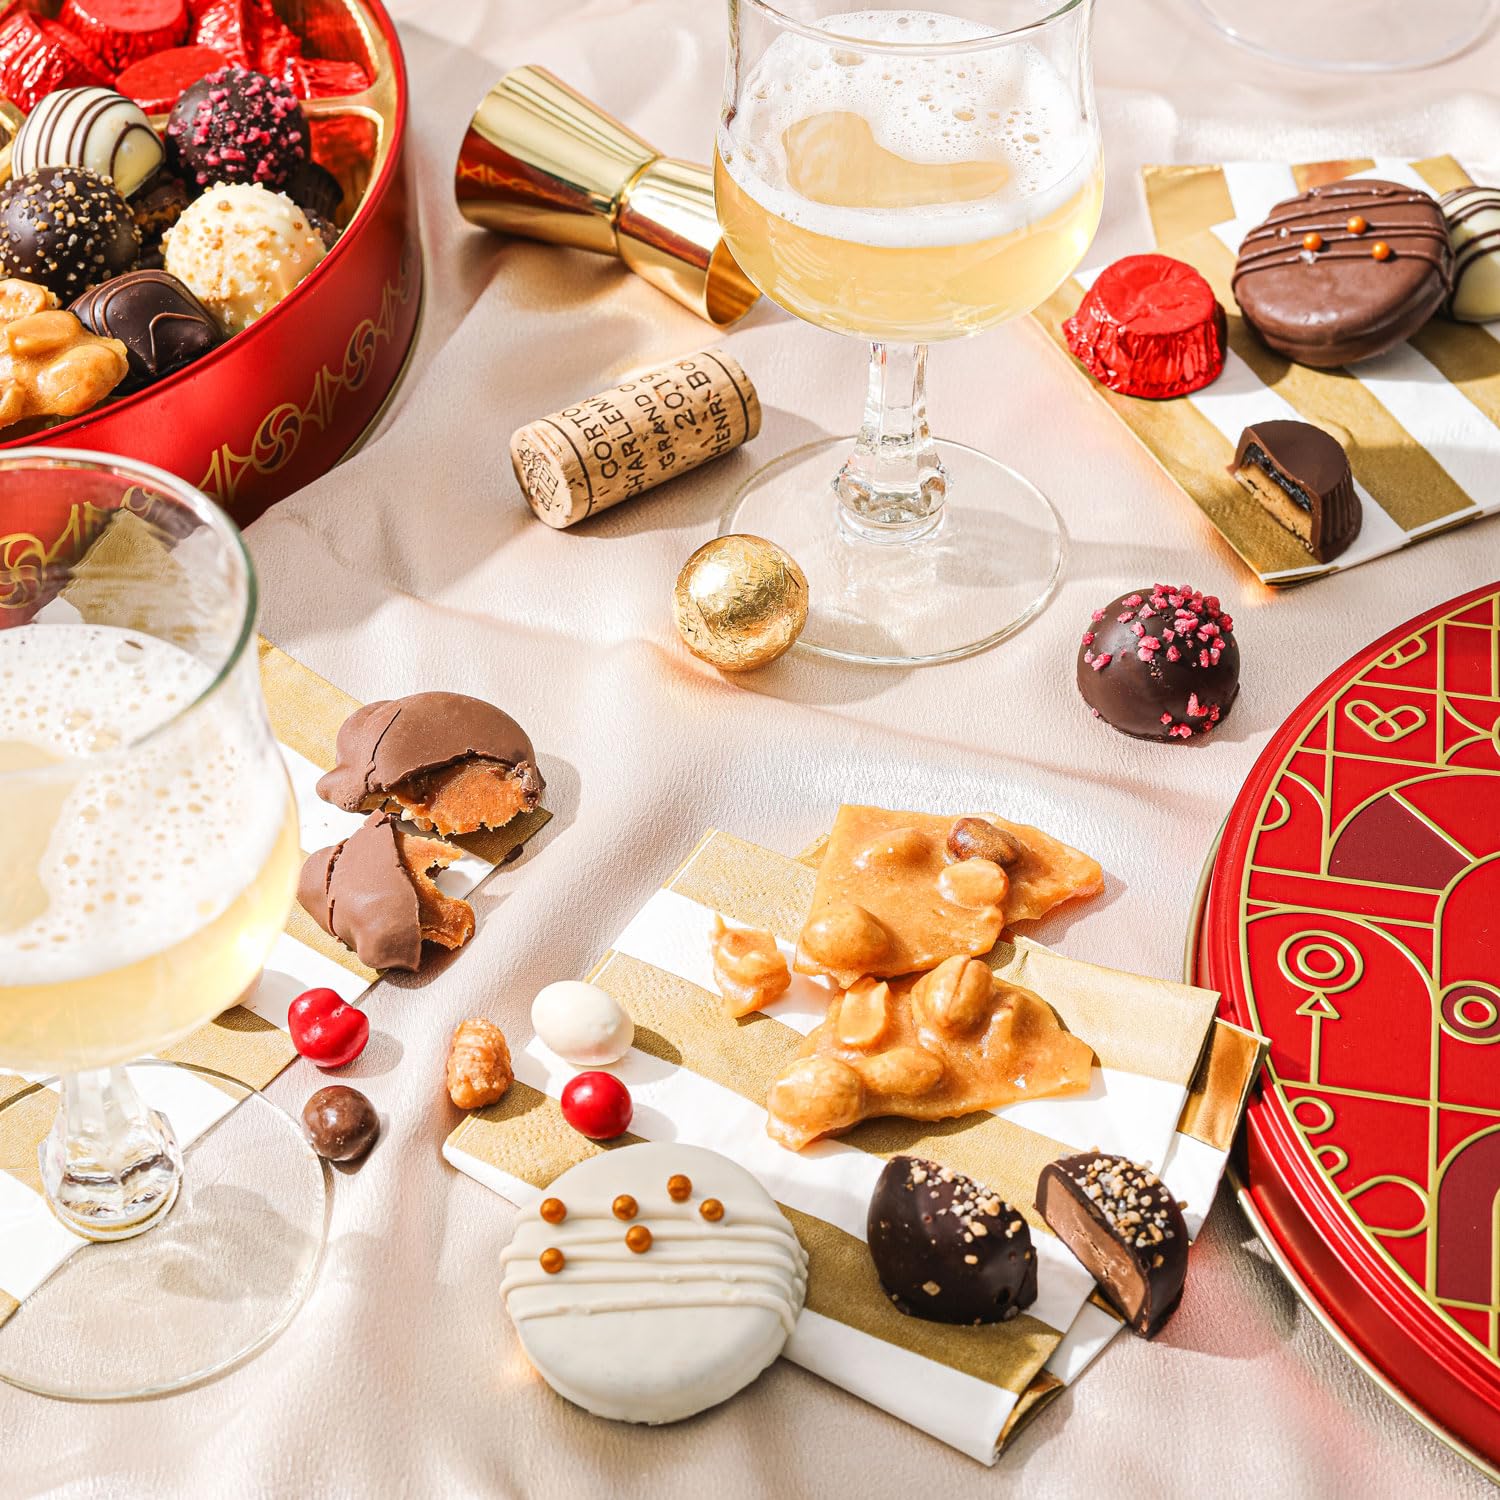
[1421, 423]
[698, 1077]
[248, 1045]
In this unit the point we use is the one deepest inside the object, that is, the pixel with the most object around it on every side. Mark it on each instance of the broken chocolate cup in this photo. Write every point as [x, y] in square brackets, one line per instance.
[1124, 1225]
[1302, 477]
[374, 892]
[946, 1248]
[450, 763]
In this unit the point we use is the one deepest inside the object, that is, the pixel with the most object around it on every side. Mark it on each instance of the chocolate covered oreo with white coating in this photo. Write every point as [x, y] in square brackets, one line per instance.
[946, 1248]
[1124, 1225]
[1344, 271]
[449, 762]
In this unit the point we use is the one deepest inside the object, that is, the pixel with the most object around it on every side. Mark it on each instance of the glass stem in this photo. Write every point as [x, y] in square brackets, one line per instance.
[892, 486]
[111, 1165]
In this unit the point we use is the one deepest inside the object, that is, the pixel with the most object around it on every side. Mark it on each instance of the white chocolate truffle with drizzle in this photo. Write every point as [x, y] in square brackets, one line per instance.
[90, 127]
[1473, 217]
[240, 249]
[653, 1282]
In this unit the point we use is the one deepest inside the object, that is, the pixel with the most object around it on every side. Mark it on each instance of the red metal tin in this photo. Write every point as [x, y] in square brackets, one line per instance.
[281, 403]
[1353, 917]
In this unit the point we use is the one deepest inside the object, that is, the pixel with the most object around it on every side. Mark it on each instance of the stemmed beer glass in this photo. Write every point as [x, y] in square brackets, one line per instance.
[148, 858]
[908, 176]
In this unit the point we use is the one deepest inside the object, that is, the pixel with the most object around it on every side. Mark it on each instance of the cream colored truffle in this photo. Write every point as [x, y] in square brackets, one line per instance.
[241, 248]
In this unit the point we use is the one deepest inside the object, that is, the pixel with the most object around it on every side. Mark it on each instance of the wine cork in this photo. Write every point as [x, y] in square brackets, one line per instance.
[623, 441]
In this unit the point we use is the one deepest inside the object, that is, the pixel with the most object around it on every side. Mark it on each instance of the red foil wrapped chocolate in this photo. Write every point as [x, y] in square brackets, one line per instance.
[1351, 920]
[320, 77]
[38, 56]
[155, 83]
[121, 32]
[1149, 326]
[247, 32]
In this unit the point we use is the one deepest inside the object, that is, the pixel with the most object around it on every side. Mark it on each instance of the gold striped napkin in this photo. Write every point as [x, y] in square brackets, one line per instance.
[700, 1078]
[248, 1045]
[1421, 423]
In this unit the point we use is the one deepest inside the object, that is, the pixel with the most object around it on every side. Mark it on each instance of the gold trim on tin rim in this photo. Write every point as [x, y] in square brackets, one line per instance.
[1267, 1237]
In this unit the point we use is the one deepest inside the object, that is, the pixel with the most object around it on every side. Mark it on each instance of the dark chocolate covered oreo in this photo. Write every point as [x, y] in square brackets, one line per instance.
[1344, 271]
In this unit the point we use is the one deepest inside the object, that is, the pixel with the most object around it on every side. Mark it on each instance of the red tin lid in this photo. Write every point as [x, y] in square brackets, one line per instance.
[1354, 919]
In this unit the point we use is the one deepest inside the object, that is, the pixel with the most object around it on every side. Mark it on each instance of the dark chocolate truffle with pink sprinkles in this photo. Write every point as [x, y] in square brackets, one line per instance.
[1160, 663]
[236, 125]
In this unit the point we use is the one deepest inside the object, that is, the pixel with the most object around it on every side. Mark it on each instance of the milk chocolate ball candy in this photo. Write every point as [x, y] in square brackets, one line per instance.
[1160, 663]
[340, 1123]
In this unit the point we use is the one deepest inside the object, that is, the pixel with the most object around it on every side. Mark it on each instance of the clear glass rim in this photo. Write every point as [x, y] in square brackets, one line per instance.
[911, 49]
[208, 514]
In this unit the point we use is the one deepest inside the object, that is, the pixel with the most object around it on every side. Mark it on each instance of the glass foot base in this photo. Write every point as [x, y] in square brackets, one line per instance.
[988, 566]
[1352, 36]
[217, 1277]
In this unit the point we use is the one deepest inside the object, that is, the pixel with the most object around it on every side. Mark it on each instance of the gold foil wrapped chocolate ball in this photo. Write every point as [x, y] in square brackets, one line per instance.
[740, 602]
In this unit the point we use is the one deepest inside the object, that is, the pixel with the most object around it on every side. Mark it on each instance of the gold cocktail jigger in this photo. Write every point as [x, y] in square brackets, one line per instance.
[540, 160]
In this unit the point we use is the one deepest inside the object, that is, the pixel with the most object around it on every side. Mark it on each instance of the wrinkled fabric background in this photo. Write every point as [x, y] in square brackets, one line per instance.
[416, 565]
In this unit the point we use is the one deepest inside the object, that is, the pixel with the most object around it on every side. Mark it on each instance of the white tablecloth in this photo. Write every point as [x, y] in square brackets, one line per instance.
[417, 566]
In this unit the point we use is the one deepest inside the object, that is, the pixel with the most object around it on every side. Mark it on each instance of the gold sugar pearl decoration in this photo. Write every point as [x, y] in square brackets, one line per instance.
[1380, 250]
[1312, 240]
[1356, 224]
[553, 1210]
[638, 1239]
[711, 1209]
[679, 1187]
[552, 1260]
[624, 1207]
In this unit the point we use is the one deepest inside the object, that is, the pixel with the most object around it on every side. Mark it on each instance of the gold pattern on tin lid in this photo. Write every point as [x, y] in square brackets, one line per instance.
[542, 161]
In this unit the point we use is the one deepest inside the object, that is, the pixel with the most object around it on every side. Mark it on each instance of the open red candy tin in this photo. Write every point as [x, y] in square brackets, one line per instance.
[282, 402]
[1353, 918]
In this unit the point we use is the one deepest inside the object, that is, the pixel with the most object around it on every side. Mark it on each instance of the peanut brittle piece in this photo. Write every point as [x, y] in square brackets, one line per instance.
[748, 968]
[1043, 871]
[925, 1047]
[890, 900]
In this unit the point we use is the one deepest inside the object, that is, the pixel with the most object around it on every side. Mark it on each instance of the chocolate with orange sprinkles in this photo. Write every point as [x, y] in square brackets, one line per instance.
[67, 228]
[1160, 663]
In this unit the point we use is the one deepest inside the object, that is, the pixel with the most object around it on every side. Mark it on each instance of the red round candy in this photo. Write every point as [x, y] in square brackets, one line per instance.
[325, 1029]
[597, 1105]
[1149, 326]
[155, 83]
[121, 32]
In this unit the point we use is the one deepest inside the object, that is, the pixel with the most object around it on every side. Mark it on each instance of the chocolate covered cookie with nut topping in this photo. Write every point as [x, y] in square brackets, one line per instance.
[899, 892]
[450, 763]
[925, 1047]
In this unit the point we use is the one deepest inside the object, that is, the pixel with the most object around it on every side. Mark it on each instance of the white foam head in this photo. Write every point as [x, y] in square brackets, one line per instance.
[1005, 103]
[147, 846]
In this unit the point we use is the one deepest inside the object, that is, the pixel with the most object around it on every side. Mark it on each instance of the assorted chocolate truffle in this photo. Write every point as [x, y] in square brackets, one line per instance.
[1124, 1225]
[1149, 326]
[1160, 663]
[238, 126]
[447, 761]
[375, 893]
[1473, 218]
[65, 228]
[162, 325]
[1344, 271]
[314, 189]
[340, 1123]
[240, 249]
[1302, 477]
[946, 1248]
[90, 127]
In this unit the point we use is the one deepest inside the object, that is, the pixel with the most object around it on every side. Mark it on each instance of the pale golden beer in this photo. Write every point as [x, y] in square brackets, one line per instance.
[139, 894]
[906, 198]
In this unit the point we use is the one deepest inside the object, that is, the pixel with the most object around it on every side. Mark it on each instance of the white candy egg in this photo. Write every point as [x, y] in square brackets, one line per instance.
[583, 1024]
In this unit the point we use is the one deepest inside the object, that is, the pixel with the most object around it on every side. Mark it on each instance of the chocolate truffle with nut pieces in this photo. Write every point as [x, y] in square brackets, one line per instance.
[1160, 663]
[946, 1248]
[1302, 477]
[448, 762]
[375, 893]
[1124, 1225]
